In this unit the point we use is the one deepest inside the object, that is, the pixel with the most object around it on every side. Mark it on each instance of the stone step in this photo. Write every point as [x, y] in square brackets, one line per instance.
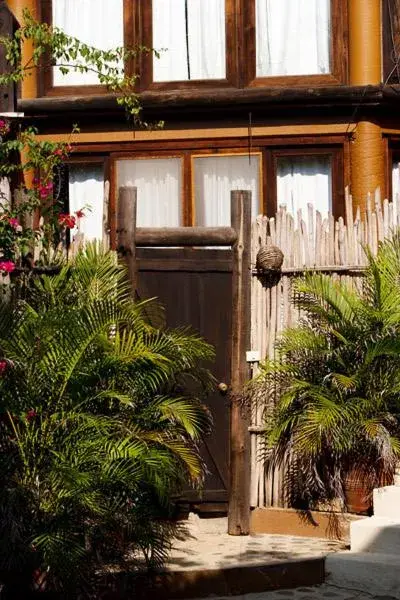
[379, 535]
[387, 502]
[374, 574]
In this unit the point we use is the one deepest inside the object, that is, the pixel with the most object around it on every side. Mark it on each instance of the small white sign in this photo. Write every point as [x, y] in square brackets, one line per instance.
[253, 356]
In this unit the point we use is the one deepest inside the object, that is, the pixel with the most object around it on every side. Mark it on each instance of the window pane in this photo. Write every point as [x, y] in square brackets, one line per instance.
[191, 37]
[86, 193]
[395, 179]
[214, 179]
[159, 184]
[97, 23]
[303, 180]
[292, 37]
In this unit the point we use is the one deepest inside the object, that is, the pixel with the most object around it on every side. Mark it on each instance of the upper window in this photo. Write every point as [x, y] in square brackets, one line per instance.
[292, 37]
[209, 42]
[97, 23]
[190, 38]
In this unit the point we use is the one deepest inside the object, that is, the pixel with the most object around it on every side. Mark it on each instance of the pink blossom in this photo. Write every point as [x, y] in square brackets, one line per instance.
[3, 366]
[13, 222]
[7, 266]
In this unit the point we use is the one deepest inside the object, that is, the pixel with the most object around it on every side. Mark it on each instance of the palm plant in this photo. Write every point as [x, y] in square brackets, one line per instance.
[98, 428]
[335, 384]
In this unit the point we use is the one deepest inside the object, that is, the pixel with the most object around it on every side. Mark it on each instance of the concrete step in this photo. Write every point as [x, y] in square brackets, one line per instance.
[376, 534]
[387, 502]
[373, 574]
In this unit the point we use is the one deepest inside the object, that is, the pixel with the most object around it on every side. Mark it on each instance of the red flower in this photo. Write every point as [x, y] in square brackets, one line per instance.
[4, 127]
[3, 366]
[45, 189]
[13, 222]
[66, 220]
[31, 414]
[7, 266]
[79, 214]
[58, 152]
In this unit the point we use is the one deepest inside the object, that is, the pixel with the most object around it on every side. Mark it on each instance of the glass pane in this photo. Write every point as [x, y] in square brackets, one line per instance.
[190, 35]
[214, 179]
[292, 37]
[86, 194]
[97, 23]
[395, 179]
[159, 184]
[303, 180]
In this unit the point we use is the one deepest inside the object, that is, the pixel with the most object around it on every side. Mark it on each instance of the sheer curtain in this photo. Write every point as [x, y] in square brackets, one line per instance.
[304, 180]
[86, 192]
[215, 177]
[191, 37]
[292, 37]
[97, 23]
[159, 188]
[395, 179]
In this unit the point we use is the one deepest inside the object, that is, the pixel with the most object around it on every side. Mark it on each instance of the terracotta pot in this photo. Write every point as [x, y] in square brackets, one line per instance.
[358, 497]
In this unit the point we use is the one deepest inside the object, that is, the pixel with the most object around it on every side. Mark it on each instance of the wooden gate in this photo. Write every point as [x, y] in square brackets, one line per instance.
[195, 288]
[202, 277]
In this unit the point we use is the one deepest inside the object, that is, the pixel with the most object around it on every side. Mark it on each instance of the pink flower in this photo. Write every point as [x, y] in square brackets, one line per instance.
[58, 152]
[3, 366]
[13, 222]
[45, 189]
[7, 266]
[4, 127]
[31, 414]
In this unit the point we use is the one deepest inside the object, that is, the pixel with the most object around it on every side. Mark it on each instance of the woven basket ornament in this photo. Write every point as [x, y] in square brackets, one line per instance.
[269, 258]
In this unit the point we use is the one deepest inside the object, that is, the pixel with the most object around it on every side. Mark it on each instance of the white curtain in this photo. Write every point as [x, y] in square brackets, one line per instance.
[305, 180]
[159, 188]
[97, 23]
[214, 179]
[292, 37]
[86, 193]
[395, 180]
[190, 35]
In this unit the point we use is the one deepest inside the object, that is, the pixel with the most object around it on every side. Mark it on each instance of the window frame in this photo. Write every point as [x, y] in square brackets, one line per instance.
[230, 152]
[240, 53]
[338, 52]
[336, 154]
[46, 84]
[146, 59]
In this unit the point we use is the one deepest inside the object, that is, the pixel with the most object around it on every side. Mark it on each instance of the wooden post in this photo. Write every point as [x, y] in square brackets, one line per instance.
[126, 227]
[239, 493]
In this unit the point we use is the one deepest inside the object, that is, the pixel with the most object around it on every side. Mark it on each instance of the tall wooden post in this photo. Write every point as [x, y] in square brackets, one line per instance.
[239, 493]
[29, 86]
[367, 156]
[126, 228]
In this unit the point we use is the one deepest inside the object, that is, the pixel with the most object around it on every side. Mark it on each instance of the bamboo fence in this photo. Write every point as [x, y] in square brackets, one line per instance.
[309, 243]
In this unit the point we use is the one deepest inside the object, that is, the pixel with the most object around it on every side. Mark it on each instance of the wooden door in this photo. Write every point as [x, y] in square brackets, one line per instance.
[195, 288]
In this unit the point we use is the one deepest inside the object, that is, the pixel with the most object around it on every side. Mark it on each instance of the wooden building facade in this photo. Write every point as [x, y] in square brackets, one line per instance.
[291, 100]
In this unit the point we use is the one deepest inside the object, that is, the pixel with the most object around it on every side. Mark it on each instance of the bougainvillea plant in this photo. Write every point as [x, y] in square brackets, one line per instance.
[33, 223]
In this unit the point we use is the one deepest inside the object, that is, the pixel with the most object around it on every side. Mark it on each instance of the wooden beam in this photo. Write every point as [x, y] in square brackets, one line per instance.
[185, 236]
[239, 493]
[126, 225]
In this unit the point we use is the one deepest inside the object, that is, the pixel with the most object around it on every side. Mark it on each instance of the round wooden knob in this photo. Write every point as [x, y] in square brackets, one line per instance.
[223, 387]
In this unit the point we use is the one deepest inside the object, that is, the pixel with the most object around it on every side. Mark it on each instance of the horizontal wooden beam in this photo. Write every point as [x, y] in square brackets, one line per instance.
[185, 236]
[215, 97]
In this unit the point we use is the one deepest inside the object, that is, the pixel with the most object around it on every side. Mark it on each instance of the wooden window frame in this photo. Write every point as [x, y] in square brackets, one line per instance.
[336, 153]
[231, 44]
[46, 85]
[390, 41]
[338, 52]
[231, 152]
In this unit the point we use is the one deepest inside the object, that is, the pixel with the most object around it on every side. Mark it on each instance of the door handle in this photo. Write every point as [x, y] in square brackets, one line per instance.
[223, 387]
